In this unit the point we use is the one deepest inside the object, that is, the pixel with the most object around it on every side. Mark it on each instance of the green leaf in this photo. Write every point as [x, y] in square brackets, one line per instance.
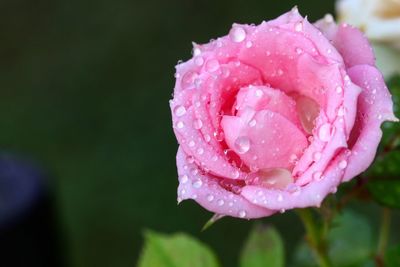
[350, 243]
[177, 250]
[264, 247]
[386, 192]
[392, 258]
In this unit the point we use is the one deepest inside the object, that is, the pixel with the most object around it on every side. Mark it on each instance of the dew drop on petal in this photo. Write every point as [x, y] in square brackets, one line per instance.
[188, 79]
[212, 65]
[317, 156]
[190, 159]
[237, 34]
[343, 164]
[242, 144]
[180, 125]
[184, 179]
[339, 89]
[197, 124]
[191, 143]
[179, 110]
[249, 44]
[325, 132]
[200, 151]
[207, 138]
[317, 176]
[199, 61]
[210, 198]
[197, 183]
[276, 178]
[308, 111]
[252, 123]
[242, 214]
[280, 198]
[298, 27]
[258, 93]
[235, 174]
[220, 202]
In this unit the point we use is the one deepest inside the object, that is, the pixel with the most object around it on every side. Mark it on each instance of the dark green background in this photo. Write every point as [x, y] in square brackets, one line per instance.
[84, 90]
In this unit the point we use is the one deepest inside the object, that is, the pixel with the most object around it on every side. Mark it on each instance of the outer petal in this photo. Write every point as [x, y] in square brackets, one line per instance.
[374, 107]
[205, 190]
[353, 46]
[294, 196]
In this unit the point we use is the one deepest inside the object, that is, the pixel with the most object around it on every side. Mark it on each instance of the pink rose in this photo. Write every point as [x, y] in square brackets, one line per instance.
[275, 116]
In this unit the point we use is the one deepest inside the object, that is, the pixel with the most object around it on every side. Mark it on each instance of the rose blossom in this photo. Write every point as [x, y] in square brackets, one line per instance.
[380, 21]
[275, 116]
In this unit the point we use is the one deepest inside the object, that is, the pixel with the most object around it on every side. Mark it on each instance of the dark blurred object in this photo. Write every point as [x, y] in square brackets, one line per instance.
[28, 236]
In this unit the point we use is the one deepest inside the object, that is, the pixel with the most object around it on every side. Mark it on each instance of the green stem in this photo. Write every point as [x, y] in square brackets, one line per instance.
[316, 243]
[383, 236]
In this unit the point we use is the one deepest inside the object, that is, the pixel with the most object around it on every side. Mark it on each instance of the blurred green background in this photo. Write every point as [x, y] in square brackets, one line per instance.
[84, 90]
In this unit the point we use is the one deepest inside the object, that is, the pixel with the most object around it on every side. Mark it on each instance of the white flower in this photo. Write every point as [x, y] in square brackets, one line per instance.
[380, 21]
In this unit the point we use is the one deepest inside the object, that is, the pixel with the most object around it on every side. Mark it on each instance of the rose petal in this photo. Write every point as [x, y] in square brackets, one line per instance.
[206, 191]
[353, 46]
[374, 107]
[295, 196]
[270, 143]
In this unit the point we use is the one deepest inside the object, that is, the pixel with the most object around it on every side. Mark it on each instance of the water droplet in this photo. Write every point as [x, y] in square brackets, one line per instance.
[317, 176]
[207, 138]
[191, 143]
[280, 198]
[252, 123]
[343, 164]
[220, 202]
[179, 110]
[325, 132]
[219, 136]
[197, 83]
[214, 158]
[341, 111]
[242, 214]
[225, 72]
[280, 72]
[308, 111]
[276, 178]
[183, 192]
[258, 93]
[339, 89]
[242, 144]
[184, 179]
[237, 34]
[190, 159]
[199, 61]
[200, 151]
[197, 124]
[188, 79]
[317, 156]
[196, 51]
[235, 174]
[197, 183]
[249, 44]
[180, 125]
[298, 27]
[299, 50]
[210, 198]
[212, 65]
[293, 189]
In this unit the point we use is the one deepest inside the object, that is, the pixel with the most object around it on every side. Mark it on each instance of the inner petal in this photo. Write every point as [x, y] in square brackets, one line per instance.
[267, 140]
